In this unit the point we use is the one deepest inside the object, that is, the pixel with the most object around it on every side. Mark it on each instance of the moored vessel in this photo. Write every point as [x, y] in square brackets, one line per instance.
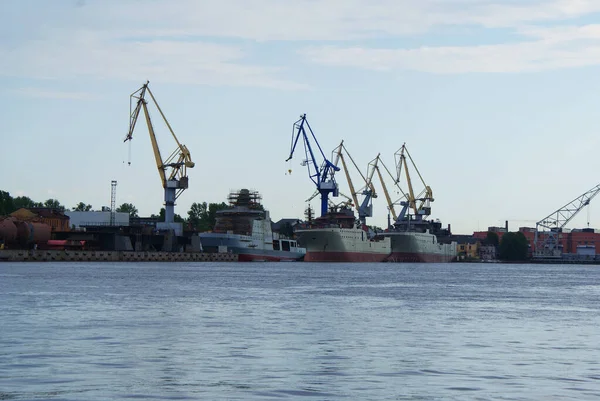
[245, 229]
[335, 237]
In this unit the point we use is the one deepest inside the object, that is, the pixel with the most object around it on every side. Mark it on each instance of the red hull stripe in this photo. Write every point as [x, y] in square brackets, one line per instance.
[344, 257]
[415, 257]
[244, 257]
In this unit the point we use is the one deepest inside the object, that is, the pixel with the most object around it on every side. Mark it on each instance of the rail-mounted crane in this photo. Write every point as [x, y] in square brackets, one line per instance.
[173, 169]
[546, 242]
[321, 174]
[420, 203]
[364, 208]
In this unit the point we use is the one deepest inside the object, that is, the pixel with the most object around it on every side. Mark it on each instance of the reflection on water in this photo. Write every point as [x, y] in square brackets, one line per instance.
[236, 331]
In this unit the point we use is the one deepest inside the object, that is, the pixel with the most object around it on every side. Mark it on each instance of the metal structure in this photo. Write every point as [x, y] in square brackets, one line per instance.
[364, 208]
[321, 174]
[173, 169]
[546, 242]
[419, 203]
[424, 197]
[113, 201]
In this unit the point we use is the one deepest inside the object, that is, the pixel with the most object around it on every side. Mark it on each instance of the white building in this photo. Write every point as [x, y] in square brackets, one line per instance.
[85, 219]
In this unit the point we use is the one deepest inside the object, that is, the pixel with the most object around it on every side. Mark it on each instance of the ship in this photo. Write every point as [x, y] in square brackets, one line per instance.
[413, 237]
[338, 237]
[244, 228]
[420, 241]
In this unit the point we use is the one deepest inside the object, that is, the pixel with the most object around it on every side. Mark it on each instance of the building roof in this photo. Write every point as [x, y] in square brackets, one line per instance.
[276, 226]
[39, 212]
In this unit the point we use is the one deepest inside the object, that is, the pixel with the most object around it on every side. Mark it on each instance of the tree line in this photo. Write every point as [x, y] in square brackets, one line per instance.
[200, 217]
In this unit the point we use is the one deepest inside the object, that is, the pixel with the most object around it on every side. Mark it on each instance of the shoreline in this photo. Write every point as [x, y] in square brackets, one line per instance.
[19, 255]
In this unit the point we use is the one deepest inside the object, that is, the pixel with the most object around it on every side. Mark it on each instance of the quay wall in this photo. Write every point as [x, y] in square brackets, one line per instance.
[38, 255]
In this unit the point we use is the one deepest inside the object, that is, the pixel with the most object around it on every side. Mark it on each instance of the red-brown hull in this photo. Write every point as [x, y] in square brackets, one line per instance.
[416, 257]
[244, 257]
[344, 257]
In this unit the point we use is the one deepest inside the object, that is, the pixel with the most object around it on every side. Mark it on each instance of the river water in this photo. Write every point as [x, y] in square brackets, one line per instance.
[275, 331]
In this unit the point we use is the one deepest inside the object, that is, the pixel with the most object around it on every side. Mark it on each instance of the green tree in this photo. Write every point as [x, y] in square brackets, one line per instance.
[198, 214]
[25, 202]
[82, 207]
[128, 208]
[161, 216]
[213, 208]
[54, 204]
[6, 203]
[492, 238]
[513, 247]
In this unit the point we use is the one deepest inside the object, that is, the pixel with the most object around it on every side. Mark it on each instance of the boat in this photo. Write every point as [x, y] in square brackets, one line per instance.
[244, 228]
[336, 237]
[421, 241]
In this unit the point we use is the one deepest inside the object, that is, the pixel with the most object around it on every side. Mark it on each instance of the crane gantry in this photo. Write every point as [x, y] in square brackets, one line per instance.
[173, 169]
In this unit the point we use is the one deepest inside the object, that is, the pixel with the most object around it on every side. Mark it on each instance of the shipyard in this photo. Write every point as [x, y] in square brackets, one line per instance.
[241, 229]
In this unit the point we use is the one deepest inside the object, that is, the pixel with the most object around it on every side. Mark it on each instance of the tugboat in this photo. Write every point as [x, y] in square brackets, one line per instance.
[245, 229]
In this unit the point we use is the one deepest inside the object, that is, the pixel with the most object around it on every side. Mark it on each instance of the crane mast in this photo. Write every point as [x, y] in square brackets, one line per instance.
[322, 175]
[425, 196]
[374, 166]
[546, 242]
[173, 169]
[364, 208]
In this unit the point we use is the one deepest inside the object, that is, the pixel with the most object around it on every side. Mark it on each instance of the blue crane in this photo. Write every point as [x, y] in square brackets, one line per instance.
[321, 174]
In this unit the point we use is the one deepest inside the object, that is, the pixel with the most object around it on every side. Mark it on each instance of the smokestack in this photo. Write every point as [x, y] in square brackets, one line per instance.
[506, 225]
[449, 230]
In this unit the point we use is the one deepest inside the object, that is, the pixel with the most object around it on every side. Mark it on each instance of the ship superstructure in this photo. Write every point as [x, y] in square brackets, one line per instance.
[245, 229]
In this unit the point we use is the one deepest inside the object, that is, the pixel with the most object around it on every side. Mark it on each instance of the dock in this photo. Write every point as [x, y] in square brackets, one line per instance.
[14, 255]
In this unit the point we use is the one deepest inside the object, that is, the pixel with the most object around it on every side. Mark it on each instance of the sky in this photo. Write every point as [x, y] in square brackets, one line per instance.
[496, 101]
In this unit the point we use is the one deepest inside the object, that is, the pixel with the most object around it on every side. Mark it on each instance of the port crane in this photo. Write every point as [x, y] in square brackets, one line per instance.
[423, 208]
[173, 169]
[547, 230]
[419, 203]
[364, 208]
[322, 175]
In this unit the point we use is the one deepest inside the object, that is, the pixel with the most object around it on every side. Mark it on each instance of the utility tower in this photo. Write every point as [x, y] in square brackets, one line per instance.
[113, 201]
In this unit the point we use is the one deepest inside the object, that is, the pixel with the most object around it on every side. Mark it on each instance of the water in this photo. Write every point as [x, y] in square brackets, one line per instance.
[254, 331]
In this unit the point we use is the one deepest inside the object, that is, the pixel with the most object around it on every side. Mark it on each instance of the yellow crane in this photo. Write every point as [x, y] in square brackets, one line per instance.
[423, 208]
[173, 169]
[364, 208]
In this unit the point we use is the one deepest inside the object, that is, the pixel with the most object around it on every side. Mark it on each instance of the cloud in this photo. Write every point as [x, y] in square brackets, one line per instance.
[46, 94]
[89, 55]
[553, 48]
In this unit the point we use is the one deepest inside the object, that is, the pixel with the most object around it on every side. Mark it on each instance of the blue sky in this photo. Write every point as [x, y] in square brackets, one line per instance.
[497, 101]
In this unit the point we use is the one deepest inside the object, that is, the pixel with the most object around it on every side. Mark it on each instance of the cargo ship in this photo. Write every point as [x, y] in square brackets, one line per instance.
[244, 229]
[336, 237]
[421, 241]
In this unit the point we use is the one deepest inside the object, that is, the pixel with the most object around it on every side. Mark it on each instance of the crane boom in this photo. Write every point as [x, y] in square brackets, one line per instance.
[374, 166]
[321, 175]
[176, 180]
[556, 221]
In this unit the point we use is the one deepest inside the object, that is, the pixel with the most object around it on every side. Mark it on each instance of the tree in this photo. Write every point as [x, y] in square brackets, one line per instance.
[82, 207]
[6, 203]
[213, 208]
[198, 214]
[54, 204]
[513, 247]
[25, 202]
[161, 216]
[492, 238]
[128, 208]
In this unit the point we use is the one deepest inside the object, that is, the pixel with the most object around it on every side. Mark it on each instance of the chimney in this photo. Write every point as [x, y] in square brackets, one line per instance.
[506, 225]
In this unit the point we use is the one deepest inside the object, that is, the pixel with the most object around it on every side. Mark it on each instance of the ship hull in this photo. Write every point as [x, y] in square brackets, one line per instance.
[342, 245]
[419, 248]
[248, 248]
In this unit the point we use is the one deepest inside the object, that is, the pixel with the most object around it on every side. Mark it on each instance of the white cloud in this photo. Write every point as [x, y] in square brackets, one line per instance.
[46, 94]
[554, 48]
[90, 55]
